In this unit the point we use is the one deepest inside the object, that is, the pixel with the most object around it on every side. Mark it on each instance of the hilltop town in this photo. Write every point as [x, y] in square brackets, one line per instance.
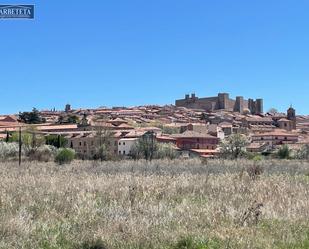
[193, 126]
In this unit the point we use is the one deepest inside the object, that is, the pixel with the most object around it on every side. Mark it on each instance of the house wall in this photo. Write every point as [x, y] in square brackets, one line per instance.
[125, 146]
[275, 140]
[87, 146]
[197, 143]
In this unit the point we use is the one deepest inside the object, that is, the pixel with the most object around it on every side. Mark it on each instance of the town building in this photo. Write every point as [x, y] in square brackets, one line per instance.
[195, 140]
[276, 137]
[125, 146]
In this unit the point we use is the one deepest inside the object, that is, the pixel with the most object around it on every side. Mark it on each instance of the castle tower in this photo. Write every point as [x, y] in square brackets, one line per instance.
[291, 115]
[259, 106]
[251, 106]
[223, 100]
[239, 105]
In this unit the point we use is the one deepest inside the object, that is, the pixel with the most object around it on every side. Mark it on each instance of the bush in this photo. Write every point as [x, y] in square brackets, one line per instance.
[303, 152]
[284, 152]
[255, 170]
[190, 243]
[8, 150]
[43, 153]
[64, 155]
[92, 244]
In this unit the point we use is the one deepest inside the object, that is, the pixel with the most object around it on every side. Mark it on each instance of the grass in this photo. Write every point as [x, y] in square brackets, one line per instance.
[162, 204]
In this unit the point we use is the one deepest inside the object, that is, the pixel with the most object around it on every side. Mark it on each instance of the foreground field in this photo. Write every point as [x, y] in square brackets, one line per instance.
[162, 204]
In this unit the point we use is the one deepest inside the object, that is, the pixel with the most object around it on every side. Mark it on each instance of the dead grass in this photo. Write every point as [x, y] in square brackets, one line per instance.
[162, 204]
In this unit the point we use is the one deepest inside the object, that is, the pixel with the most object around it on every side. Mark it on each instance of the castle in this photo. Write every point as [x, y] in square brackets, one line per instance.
[221, 102]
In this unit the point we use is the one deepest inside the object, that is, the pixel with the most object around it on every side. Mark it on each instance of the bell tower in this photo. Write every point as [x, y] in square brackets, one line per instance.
[291, 115]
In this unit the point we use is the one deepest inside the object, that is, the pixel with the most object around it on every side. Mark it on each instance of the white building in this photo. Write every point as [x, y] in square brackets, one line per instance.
[125, 145]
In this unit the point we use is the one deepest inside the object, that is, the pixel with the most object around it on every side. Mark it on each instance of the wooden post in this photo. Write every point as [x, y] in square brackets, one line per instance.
[20, 143]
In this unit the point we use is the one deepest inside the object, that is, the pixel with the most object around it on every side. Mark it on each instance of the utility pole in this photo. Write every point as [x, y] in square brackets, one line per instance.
[20, 143]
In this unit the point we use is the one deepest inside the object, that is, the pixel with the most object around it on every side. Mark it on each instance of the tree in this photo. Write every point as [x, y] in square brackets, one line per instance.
[29, 137]
[204, 117]
[103, 139]
[145, 147]
[234, 146]
[56, 140]
[272, 110]
[73, 119]
[68, 119]
[32, 117]
[165, 150]
[101, 153]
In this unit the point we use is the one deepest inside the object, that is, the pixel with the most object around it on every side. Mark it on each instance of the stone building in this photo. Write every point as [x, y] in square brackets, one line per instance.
[221, 102]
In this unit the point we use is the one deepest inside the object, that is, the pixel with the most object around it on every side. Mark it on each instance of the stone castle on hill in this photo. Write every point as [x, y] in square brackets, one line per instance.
[221, 102]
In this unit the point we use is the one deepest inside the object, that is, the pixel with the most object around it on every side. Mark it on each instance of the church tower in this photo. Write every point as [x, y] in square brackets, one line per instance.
[291, 115]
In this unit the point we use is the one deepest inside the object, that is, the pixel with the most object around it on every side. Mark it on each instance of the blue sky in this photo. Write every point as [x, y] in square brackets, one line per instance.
[134, 52]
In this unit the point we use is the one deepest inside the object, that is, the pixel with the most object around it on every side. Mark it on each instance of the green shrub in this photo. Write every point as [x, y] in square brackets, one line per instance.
[190, 243]
[92, 244]
[64, 155]
[303, 152]
[284, 152]
[257, 158]
[8, 150]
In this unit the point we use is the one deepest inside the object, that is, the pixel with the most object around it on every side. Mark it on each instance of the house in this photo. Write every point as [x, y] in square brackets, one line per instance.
[125, 145]
[86, 144]
[205, 153]
[257, 147]
[166, 139]
[9, 119]
[275, 137]
[195, 140]
[285, 124]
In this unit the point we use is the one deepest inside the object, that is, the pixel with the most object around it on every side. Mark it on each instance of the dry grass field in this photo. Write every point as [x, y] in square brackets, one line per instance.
[161, 204]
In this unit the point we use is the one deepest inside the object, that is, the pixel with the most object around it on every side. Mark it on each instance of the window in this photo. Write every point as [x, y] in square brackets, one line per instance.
[85, 143]
[91, 142]
[124, 143]
[80, 143]
[119, 152]
[119, 143]
[124, 152]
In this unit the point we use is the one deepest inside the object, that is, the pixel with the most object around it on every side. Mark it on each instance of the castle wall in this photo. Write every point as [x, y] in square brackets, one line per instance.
[221, 102]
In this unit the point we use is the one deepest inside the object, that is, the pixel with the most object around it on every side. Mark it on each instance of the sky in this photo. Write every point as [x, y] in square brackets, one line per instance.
[136, 52]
